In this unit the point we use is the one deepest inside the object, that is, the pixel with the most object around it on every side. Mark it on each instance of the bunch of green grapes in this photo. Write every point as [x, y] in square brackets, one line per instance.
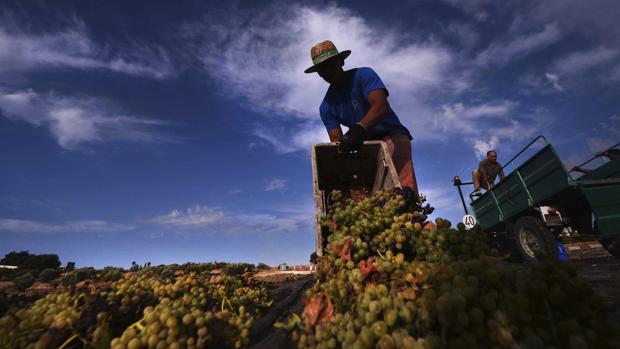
[254, 299]
[170, 324]
[133, 292]
[45, 323]
[438, 242]
[390, 282]
[195, 312]
[183, 286]
[383, 222]
[175, 324]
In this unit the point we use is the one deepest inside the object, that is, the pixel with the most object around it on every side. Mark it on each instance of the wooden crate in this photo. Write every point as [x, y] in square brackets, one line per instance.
[356, 175]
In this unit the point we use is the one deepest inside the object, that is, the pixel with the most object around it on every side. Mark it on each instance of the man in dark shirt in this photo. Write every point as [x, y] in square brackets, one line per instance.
[357, 99]
[488, 169]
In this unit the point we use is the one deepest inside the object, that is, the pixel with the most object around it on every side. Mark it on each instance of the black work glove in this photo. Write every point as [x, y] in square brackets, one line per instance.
[353, 139]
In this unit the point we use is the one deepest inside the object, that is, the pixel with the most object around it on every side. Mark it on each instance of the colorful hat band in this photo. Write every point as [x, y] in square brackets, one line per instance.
[324, 55]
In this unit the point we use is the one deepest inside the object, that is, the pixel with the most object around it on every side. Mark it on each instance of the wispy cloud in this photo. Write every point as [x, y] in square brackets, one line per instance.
[216, 220]
[481, 147]
[73, 121]
[86, 226]
[268, 223]
[501, 52]
[276, 184]
[478, 9]
[261, 58]
[581, 61]
[445, 199]
[421, 73]
[490, 124]
[198, 217]
[466, 119]
[605, 134]
[73, 48]
[555, 81]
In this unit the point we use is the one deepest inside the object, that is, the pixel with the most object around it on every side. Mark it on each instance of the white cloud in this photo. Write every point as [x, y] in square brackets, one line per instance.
[442, 198]
[262, 59]
[288, 218]
[288, 140]
[73, 48]
[88, 226]
[481, 147]
[74, 121]
[596, 20]
[491, 123]
[276, 184]
[593, 22]
[579, 62]
[198, 217]
[466, 34]
[502, 52]
[555, 81]
[467, 119]
[267, 223]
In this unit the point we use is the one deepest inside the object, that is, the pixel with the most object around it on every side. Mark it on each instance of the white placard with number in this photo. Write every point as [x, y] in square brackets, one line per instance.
[469, 221]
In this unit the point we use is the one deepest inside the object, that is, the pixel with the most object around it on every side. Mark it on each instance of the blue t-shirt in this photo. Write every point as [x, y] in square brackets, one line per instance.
[348, 104]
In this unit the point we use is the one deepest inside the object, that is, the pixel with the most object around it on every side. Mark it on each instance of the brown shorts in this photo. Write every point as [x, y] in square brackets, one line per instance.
[399, 147]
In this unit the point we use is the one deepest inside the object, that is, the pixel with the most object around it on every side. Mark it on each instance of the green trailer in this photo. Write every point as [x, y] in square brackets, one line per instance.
[539, 201]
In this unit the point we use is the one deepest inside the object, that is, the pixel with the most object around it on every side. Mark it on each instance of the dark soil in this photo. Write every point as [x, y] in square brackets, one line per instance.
[603, 274]
[288, 299]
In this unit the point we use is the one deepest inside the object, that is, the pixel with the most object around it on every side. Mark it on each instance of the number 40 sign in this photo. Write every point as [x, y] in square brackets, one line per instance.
[469, 221]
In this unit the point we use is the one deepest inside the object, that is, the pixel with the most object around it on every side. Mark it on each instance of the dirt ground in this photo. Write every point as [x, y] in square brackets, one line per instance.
[288, 298]
[603, 274]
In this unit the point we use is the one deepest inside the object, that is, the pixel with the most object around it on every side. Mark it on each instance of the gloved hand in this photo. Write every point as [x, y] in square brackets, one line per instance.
[353, 139]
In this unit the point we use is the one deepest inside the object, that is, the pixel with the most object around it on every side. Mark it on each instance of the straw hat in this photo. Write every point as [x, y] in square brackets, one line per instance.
[322, 52]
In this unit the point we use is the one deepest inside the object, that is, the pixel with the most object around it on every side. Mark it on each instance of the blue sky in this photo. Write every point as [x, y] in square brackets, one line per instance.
[162, 132]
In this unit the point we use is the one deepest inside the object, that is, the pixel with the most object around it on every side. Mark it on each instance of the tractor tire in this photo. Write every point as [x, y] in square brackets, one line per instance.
[533, 240]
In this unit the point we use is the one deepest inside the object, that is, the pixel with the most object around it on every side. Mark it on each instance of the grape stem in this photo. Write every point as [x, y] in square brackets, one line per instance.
[68, 341]
[380, 255]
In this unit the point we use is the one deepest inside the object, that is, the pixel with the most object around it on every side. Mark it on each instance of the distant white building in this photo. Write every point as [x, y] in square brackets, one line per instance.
[283, 267]
[2, 266]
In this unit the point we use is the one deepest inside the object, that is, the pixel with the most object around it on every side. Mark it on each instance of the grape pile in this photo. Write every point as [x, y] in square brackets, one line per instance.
[59, 312]
[142, 310]
[387, 281]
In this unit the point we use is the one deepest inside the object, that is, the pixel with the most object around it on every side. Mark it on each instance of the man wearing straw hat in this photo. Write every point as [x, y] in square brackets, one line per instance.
[357, 98]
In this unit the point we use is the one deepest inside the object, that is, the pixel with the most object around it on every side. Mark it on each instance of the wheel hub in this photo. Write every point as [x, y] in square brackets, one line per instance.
[529, 241]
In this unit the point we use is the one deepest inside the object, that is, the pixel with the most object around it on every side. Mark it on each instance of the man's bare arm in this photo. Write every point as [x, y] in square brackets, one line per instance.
[378, 108]
[335, 134]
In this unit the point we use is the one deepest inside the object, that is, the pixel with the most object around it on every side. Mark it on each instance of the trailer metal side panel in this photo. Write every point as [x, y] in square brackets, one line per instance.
[486, 211]
[539, 178]
[601, 187]
[544, 174]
